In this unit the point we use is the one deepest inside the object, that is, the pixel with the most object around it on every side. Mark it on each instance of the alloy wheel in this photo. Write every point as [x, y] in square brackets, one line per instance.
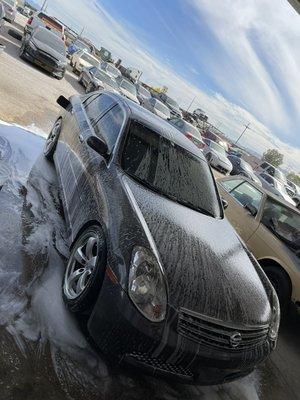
[52, 138]
[81, 267]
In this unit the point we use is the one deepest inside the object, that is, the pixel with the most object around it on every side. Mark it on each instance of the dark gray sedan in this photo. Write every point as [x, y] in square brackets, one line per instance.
[95, 79]
[46, 50]
[162, 276]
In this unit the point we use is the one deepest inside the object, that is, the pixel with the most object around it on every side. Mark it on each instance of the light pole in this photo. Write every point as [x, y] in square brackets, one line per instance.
[192, 102]
[242, 134]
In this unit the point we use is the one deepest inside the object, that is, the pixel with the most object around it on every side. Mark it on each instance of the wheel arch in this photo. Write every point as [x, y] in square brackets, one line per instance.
[268, 262]
[86, 226]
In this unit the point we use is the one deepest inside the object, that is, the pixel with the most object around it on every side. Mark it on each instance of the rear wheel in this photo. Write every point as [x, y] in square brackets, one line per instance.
[85, 270]
[52, 140]
[80, 80]
[89, 87]
[281, 284]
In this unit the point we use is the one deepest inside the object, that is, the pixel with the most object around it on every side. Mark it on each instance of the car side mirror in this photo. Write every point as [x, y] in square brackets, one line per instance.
[224, 203]
[63, 102]
[252, 210]
[95, 143]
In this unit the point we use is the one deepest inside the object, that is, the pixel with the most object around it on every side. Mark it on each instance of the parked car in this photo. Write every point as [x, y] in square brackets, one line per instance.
[241, 167]
[46, 50]
[275, 186]
[269, 169]
[144, 214]
[170, 103]
[110, 69]
[127, 89]
[77, 46]
[81, 59]
[10, 8]
[216, 156]
[95, 79]
[190, 131]
[142, 93]
[2, 16]
[156, 107]
[294, 192]
[270, 228]
[41, 19]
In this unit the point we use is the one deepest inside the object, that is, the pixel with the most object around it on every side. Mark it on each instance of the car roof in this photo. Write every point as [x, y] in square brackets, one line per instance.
[261, 189]
[157, 124]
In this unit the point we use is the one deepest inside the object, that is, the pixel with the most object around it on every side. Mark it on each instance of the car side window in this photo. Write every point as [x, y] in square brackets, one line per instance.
[247, 195]
[264, 165]
[283, 222]
[109, 126]
[93, 70]
[231, 184]
[267, 178]
[179, 123]
[152, 101]
[96, 106]
[271, 171]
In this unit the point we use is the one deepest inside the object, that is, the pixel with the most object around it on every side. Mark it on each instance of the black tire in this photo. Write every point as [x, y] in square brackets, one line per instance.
[208, 157]
[85, 298]
[21, 53]
[282, 285]
[80, 81]
[51, 142]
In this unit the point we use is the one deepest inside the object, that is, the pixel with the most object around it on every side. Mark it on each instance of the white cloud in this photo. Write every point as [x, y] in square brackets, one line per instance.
[260, 93]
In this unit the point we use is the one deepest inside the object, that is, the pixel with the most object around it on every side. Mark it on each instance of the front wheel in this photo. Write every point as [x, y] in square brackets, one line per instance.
[85, 270]
[282, 286]
[52, 140]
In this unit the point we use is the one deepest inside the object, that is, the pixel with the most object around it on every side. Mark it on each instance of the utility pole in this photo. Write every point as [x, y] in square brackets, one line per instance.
[192, 102]
[242, 134]
[44, 6]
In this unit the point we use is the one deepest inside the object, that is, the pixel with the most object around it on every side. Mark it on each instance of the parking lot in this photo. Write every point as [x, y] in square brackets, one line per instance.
[44, 354]
[30, 93]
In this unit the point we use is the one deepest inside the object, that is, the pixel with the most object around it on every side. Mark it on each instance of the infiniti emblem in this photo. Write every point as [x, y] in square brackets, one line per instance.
[235, 339]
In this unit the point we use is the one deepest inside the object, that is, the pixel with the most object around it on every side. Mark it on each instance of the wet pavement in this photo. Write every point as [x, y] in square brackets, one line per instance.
[44, 353]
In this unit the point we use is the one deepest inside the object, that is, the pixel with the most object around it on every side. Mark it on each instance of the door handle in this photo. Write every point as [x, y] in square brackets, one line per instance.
[81, 139]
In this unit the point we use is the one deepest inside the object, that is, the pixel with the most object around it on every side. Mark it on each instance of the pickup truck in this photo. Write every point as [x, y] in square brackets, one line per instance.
[41, 19]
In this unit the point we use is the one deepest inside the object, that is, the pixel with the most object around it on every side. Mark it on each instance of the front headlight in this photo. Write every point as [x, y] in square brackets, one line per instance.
[275, 320]
[147, 287]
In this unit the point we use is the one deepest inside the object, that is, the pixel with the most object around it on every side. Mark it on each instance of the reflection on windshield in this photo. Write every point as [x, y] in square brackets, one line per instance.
[284, 223]
[215, 146]
[170, 170]
[129, 87]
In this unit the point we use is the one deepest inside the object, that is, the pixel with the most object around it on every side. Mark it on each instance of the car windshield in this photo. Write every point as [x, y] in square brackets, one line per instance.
[284, 222]
[113, 70]
[218, 148]
[170, 170]
[101, 75]
[172, 103]
[247, 167]
[129, 87]
[279, 175]
[144, 92]
[51, 40]
[189, 128]
[89, 59]
[162, 108]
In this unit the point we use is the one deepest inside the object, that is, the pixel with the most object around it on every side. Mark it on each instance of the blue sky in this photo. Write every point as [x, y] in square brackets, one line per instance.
[240, 59]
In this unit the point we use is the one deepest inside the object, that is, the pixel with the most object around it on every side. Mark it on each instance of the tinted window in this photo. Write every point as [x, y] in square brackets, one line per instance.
[96, 105]
[169, 170]
[283, 222]
[109, 126]
[264, 165]
[268, 179]
[247, 194]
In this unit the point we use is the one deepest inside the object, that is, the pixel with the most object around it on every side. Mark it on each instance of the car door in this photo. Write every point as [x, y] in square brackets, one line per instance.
[94, 167]
[244, 203]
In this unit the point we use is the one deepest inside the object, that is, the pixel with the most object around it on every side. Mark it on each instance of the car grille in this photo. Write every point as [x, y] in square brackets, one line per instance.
[45, 58]
[215, 333]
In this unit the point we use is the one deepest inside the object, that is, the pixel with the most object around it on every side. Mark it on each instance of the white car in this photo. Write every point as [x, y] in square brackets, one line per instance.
[110, 69]
[157, 107]
[10, 8]
[275, 186]
[81, 59]
[127, 89]
[217, 157]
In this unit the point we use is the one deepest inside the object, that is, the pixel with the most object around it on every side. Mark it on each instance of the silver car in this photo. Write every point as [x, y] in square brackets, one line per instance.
[217, 157]
[157, 107]
[10, 7]
[275, 186]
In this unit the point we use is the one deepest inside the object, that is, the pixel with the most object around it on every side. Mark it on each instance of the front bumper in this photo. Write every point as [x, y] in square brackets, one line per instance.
[220, 165]
[52, 69]
[120, 331]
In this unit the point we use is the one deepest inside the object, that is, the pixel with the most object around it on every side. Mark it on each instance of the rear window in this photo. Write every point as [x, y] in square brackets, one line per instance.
[170, 170]
[162, 108]
[91, 60]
